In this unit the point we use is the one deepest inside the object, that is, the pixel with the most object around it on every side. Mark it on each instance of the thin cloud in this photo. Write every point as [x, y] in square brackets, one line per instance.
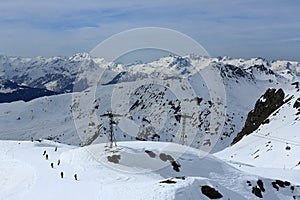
[296, 39]
[223, 28]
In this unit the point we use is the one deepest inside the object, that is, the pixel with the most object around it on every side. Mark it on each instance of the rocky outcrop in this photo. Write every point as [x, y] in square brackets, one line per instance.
[297, 105]
[210, 192]
[264, 107]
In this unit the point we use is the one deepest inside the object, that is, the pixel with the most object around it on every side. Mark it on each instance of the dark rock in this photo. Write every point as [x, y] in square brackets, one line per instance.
[114, 158]
[135, 105]
[297, 105]
[140, 139]
[169, 181]
[117, 78]
[210, 192]
[257, 192]
[275, 186]
[155, 136]
[164, 157]
[198, 100]
[176, 166]
[286, 183]
[249, 183]
[150, 153]
[266, 121]
[296, 84]
[180, 177]
[261, 185]
[292, 188]
[262, 110]
[280, 183]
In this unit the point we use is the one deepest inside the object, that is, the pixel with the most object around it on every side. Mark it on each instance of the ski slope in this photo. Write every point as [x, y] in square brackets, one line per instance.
[26, 174]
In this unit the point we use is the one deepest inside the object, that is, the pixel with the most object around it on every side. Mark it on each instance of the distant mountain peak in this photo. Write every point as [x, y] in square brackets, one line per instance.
[80, 57]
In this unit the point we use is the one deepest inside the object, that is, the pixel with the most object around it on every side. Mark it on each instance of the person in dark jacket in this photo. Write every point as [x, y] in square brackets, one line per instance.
[75, 176]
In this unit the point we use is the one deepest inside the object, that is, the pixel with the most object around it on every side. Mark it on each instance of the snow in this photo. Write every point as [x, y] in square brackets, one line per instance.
[272, 150]
[15, 176]
[26, 174]
[128, 171]
[51, 85]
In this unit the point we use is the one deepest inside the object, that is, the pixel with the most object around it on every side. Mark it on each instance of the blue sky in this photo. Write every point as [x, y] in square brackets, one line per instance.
[235, 28]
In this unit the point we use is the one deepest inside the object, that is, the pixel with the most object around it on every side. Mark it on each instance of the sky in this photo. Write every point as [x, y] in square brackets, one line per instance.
[234, 28]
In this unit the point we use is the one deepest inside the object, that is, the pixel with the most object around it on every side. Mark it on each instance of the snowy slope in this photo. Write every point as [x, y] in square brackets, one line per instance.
[101, 178]
[272, 150]
[275, 144]
[52, 117]
[46, 117]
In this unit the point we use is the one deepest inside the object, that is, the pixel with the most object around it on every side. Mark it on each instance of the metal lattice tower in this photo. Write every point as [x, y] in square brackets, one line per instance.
[183, 135]
[111, 116]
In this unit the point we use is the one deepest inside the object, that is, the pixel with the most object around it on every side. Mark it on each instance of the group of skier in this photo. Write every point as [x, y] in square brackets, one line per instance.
[58, 163]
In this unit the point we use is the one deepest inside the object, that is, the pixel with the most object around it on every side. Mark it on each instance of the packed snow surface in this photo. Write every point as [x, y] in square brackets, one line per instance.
[131, 170]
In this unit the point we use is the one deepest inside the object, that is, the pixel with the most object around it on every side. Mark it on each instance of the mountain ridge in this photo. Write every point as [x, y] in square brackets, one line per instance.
[182, 79]
[60, 74]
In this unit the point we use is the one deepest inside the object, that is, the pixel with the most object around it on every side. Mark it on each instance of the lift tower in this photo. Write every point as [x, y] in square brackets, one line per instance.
[111, 117]
[183, 136]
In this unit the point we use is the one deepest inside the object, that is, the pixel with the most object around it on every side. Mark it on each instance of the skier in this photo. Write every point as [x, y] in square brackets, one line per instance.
[46, 156]
[75, 176]
[58, 162]
[51, 165]
[44, 153]
[61, 175]
[55, 149]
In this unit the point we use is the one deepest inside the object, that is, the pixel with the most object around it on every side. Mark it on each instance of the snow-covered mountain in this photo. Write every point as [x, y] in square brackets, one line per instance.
[146, 103]
[57, 74]
[61, 74]
[244, 111]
